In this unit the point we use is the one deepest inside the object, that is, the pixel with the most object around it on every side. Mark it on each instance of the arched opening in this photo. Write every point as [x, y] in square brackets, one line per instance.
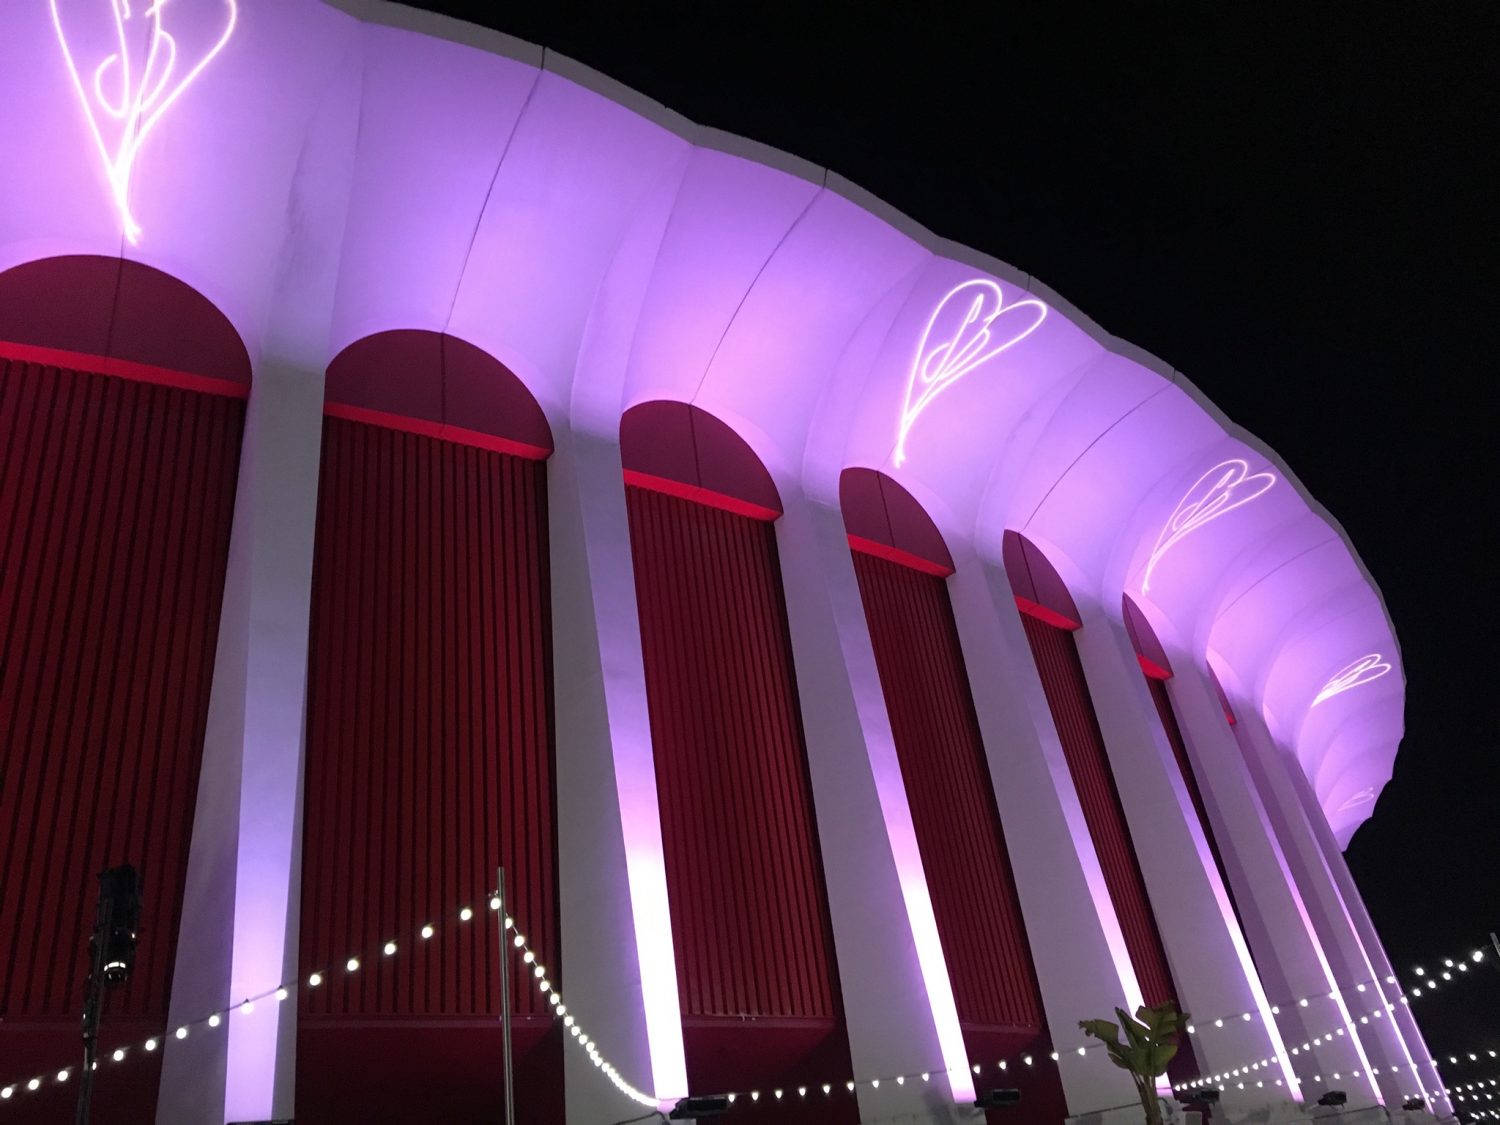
[757, 979]
[901, 563]
[121, 410]
[429, 756]
[439, 386]
[1049, 616]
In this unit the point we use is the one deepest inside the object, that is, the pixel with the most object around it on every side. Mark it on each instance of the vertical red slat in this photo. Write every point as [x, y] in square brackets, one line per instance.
[1062, 677]
[756, 974]
[429, 763]
[115, 507]
[741, 850]
[948, 789]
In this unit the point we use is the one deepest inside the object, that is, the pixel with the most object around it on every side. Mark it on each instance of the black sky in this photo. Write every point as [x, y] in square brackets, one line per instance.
[1294, 204]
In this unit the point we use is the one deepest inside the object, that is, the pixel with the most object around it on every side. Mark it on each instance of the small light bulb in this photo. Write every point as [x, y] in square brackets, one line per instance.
[1303, 1001]
[427, 931]
[118, 1056]
[34, 1084]
[495, 902]
[529, 958]
[465, 914]
[518, 941]
[390, 948]
[181, 1033]
[567, 1021]
[352, 965]
[7, 1091]
[150, 1044]
[1218, 1023]
[314, 980]
[539, 972]
[213, 1020]
[1081, 1050]
[1246, 1017]
[62, 1075]
[926, 1076]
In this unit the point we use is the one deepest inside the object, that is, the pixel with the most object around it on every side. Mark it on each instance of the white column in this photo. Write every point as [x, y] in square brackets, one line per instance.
[1342, 1009]
[1418, 1059]
[619, 972]
[241, 909]
[1076, 943]
[898, 1002]
[1213, 973]
[1287, 953]
[240, 912]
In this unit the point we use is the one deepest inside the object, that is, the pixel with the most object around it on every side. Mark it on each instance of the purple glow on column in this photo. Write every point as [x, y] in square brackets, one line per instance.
[645, 867]
[1241, 949]
[934, 966]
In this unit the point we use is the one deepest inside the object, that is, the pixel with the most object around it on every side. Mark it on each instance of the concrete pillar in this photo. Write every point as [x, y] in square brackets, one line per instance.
[241, 907]
[1288, 956]
[1076, 942]
[1344, 1005]
[618, 965]
[1210, 963]
[1418, 1059]
[897, 998]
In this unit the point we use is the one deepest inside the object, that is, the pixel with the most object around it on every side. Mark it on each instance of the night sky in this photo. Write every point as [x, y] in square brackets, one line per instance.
[1292, 204]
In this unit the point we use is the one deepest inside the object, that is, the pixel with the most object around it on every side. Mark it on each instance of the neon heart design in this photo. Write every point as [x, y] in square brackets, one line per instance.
[1362, 671]
[133, 85]
[961, 335]
[1225, 487]
[1360, 798]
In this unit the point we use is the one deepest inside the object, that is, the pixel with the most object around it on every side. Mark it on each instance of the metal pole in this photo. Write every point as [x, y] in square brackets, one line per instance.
[103, 919]
[510, 1101]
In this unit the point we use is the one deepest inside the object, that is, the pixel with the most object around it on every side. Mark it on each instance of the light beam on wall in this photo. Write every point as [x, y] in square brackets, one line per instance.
[1352, 675]
[141, 72]
[1225, 487]
[961, 334]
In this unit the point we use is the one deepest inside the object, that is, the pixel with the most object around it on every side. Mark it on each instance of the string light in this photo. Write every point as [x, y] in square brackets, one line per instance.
[560, 1011]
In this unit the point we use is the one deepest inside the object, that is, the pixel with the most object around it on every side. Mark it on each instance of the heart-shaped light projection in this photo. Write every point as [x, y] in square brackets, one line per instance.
[1364, 796]
[141, 71]
[962, 333]
[1352, 675]
[1225, 487]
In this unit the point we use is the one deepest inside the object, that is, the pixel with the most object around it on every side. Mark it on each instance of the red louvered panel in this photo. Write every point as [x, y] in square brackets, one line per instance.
[743, 871]
[1056, 656]
[948, 788]
[116, 499]
[429, 762]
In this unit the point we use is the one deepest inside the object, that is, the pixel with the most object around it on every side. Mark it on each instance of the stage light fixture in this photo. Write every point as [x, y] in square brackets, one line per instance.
[695, 1108]
[997, 1097]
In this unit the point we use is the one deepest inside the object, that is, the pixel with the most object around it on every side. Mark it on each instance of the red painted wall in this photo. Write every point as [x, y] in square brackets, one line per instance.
[749, 918]
[429, 762]
[1062, 677]
[958, 828]
[116, 499]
